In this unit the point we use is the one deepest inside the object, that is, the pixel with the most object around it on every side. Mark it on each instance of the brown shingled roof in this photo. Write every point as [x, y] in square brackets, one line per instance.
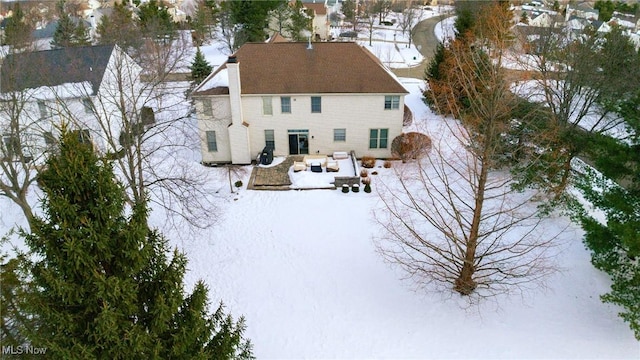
[318, 8]
[330, 67]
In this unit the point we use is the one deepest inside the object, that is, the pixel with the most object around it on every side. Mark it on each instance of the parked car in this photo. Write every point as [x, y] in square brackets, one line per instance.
[349, 34]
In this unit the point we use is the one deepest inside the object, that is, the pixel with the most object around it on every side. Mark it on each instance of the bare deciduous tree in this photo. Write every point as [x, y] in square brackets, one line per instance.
[229, 32]
[452, 223]
[411, 15]
[457, 220]
[21, 128]
[146, 129]
[578, 79]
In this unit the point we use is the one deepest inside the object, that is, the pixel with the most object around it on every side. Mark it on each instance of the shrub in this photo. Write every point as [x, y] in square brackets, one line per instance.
[410, 146]
[366, 181]
[345, 188]
[367, 188]
[364, 173]
[238, 184]
[374, 173]
[407, 117]
[355, 188]
[368, 162]
[387, 164]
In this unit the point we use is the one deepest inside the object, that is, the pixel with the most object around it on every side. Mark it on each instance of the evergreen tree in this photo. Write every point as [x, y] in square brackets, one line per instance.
[101, 283]
[17, 32]
[605, 9]
[119, 28]
[349, 11]
[615, 242]
[252, 15]
[200, 68]
[299, 27]
[432, 70]
[432, 73]
[154, 20]
[70, 32]
[203, 21]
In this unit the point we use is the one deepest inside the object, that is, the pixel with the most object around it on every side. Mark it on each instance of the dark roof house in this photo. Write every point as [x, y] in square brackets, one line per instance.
[30, 70]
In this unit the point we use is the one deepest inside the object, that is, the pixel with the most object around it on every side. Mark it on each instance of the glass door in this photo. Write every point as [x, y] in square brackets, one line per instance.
[298, 142]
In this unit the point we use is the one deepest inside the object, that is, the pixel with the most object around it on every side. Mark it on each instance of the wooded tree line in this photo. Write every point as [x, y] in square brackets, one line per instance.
[582, 101]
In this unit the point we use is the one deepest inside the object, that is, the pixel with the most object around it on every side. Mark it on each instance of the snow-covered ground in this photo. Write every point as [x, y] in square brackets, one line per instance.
[302, 267]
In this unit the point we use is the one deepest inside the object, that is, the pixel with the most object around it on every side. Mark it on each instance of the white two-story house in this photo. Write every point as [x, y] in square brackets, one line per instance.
[89, 88]
[298, 98]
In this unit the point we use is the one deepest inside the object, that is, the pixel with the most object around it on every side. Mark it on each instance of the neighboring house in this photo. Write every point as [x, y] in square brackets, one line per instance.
[320, 22]
[577, 25]
[601, 27]
[542, 20]
[531, 39]
[625, 21]
[298, 100]
[582, 11]
[80, 85]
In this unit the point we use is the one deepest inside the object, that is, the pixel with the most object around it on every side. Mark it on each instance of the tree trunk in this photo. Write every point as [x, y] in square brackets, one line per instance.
[465, 284]
[564, 181]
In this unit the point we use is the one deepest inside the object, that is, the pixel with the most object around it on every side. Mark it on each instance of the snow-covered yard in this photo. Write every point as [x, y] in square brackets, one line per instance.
[302, 267]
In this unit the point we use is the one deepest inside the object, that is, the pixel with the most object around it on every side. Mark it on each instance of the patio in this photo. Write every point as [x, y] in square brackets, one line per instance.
[280, 175]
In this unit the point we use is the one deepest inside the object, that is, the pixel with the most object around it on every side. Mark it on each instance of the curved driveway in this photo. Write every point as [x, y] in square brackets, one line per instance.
[425, 37]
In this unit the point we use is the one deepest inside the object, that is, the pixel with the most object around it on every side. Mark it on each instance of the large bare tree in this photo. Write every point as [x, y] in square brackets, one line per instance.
[451, 221]
[147, 131]
[455, 219]
[21, 128]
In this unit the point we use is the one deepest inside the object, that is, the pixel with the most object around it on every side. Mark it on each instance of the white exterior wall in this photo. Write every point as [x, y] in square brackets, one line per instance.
[65, 102]
[320, 26]
[121, 75]
[219, 123]
[34, 125]
[357, 113]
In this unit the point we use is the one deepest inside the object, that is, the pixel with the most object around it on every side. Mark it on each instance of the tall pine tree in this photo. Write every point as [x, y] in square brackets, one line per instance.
[120, 28]
[615, 242]
[17, 32]
[200, 68]
[70, 31]
[101, 283]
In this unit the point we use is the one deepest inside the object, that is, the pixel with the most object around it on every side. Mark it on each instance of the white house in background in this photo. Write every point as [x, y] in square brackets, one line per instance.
[81, 85]
[582, 11]
[542, 20]
[298, 99]
[320, 21]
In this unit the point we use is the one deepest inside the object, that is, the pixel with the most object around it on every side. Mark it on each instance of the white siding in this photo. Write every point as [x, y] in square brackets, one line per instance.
[357, 113]
[219, 123]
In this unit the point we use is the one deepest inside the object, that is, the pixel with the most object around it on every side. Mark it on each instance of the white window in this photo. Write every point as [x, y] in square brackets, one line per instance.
[10, 145]
[207, 109]
[339, 134]
[212, 143]
[378, 138]
[316, 104]
[43, 109]
[88, 105]
[269, 139]
[267, 107]
[285, 104]
[391, 102]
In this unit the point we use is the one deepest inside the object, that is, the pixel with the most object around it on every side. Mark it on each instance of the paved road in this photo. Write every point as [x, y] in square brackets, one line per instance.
[426, 38]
